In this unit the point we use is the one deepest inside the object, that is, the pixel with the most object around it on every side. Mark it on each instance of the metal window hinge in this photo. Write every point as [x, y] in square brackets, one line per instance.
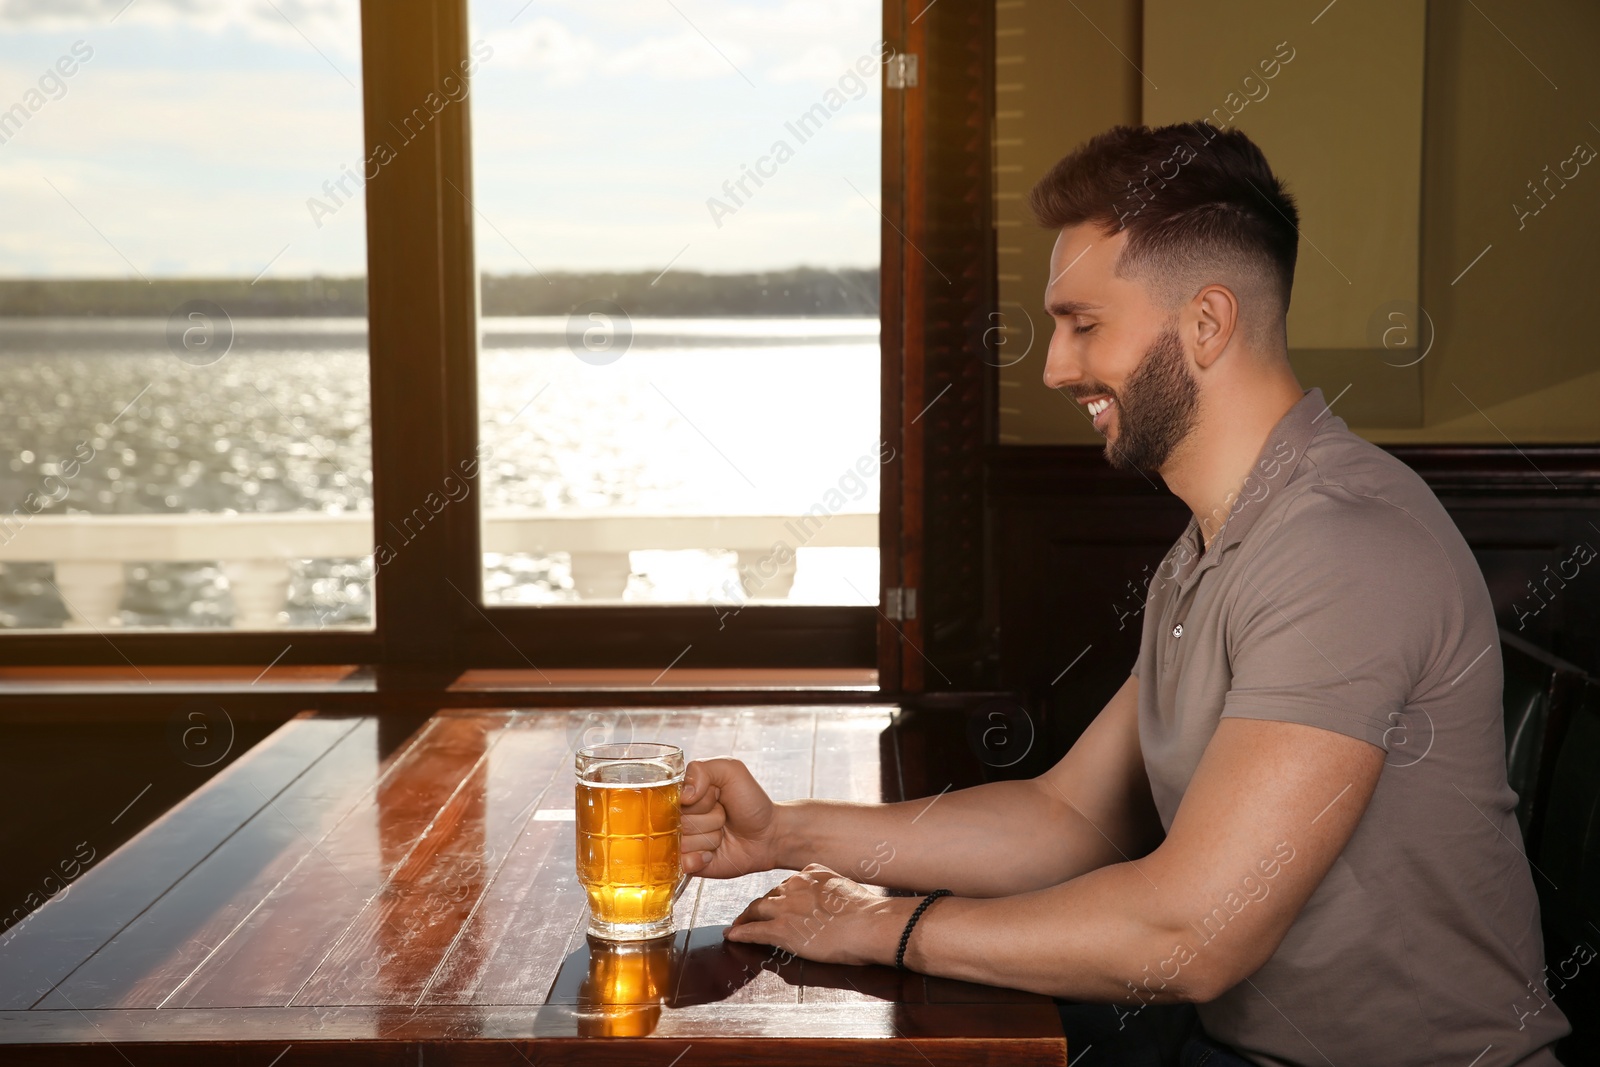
[900, 603]
[901, 71]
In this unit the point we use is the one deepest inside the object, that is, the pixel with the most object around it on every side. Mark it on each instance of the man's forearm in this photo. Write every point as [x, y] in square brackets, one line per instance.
[1106, 937]
[988, 840]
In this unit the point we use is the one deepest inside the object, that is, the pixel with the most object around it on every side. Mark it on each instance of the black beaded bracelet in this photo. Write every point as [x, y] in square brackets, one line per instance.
[905, 938]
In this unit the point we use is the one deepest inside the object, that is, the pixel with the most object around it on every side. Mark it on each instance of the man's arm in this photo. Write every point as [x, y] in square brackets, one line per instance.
[1270, 808]
[1335, 630]
[1092, 808]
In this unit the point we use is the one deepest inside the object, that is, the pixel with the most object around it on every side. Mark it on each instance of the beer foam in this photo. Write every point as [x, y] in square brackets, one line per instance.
[667, 776]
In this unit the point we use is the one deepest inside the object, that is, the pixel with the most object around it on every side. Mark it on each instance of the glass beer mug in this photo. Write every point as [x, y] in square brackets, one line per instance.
[628, 821]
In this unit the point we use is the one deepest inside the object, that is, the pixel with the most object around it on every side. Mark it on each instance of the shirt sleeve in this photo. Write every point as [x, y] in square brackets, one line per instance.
[1338, 616]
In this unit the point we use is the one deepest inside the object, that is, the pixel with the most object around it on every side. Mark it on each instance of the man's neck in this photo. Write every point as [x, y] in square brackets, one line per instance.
[1208, 470]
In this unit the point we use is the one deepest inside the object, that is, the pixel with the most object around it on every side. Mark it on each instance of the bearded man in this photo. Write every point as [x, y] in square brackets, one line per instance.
[1230, 865]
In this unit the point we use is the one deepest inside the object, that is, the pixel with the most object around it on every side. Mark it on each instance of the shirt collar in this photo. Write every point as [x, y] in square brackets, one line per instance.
[1274, 466]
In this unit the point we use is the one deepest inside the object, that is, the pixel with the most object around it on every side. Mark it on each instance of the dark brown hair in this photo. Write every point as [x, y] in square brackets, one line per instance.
[1192, 198]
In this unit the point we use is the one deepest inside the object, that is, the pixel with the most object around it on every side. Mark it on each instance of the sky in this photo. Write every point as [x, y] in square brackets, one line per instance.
[193, 136]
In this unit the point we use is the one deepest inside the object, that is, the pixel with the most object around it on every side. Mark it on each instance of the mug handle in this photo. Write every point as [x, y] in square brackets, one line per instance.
[683, 879]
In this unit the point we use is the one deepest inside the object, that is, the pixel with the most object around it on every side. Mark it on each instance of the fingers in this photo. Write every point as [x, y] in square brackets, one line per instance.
[695, 862]
[701, 837]
[761, 933]
[700, 788]
[700, 845]
[702, 820]
[703, 817]
[706, 823]
[695, 779]
[707, 842]
[703, 781]
[760, 909]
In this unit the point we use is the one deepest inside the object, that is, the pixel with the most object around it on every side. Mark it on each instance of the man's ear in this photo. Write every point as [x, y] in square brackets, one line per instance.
[1216, 318]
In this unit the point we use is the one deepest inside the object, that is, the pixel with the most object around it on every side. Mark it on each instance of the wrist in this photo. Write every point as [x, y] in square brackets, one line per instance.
[892, 915]
[911, 951]
[788, 843]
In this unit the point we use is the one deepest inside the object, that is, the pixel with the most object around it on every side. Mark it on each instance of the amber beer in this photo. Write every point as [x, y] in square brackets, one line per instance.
[628, 820]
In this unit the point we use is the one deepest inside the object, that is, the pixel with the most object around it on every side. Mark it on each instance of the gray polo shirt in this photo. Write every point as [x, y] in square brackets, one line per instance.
[1339, 594]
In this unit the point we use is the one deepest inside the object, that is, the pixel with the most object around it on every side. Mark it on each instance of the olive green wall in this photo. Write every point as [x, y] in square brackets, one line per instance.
[1408, 133]
[1515, 333]
[1317, 97]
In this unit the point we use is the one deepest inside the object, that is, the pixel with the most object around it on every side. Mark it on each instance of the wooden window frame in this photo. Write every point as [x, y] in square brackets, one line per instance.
[423, 326]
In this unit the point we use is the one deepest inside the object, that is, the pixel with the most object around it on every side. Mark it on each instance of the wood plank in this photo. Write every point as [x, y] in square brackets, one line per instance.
[439, 915]
[392, 949]
[40, 951]
[862, 679]
[611, 990]
[311, 1027]
[777, 744]
[206, 679]
[514, 941]
[533, 914]
[268, 958]
[848, 766]
[849, 753]
[155, 952]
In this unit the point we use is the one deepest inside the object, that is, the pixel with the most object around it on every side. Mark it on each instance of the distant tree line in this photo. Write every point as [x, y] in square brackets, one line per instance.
[797, 291]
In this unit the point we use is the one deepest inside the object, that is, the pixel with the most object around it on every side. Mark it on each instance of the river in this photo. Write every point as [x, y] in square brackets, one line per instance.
[703, 416]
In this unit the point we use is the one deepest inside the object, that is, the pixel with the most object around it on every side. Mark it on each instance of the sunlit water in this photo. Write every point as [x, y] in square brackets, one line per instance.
[697, 416]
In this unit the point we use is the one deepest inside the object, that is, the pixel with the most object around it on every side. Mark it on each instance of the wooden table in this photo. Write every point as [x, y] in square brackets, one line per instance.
[322, 901]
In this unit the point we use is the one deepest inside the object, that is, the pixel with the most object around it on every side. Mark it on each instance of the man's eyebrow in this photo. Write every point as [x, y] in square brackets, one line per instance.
[1062, 308]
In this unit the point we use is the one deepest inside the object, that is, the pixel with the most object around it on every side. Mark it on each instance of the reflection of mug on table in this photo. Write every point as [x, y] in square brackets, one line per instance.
[628, 837]
[626, 986]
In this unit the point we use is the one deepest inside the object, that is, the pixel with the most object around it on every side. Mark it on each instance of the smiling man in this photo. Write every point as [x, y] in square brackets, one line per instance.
[1294, 814]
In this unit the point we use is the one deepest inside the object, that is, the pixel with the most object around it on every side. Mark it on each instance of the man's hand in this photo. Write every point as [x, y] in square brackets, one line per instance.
[730, 825]
[823, 916]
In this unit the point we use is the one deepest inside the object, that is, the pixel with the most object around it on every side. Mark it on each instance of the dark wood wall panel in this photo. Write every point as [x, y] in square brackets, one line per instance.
[1075, 543]
[957, 385]
[1070, 535]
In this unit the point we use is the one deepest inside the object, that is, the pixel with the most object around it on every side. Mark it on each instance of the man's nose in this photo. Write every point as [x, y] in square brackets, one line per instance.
[1059, 368]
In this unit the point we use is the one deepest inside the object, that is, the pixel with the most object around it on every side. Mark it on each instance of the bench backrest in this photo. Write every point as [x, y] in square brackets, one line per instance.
[1541, 691]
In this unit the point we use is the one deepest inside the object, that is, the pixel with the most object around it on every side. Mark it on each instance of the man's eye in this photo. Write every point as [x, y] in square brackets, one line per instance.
[1084, 329]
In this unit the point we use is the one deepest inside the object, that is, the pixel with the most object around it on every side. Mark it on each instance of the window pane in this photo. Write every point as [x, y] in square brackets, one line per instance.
[677, 232]
[183, 345]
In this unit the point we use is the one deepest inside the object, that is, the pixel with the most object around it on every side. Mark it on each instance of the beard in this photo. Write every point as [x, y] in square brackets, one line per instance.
[1156, 409]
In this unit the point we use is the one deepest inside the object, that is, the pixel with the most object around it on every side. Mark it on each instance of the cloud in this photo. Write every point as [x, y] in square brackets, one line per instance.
[332, 26]
[819, 63]
[562, 56]
[681, 57]
[175, 181]
[798, 41]
[58, 12]
[597, 139]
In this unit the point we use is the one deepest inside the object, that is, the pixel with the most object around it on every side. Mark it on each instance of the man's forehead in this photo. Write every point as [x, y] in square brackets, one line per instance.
[1082, 260]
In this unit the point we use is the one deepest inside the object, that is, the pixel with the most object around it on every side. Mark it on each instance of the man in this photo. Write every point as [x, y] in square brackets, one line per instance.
[1294, 813]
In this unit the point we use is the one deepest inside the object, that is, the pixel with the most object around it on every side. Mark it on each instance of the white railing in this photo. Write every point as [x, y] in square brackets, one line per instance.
[254, 549]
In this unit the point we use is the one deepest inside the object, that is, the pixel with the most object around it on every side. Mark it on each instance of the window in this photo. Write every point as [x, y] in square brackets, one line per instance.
[261, 255]
[678, 235]
[183, 342]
